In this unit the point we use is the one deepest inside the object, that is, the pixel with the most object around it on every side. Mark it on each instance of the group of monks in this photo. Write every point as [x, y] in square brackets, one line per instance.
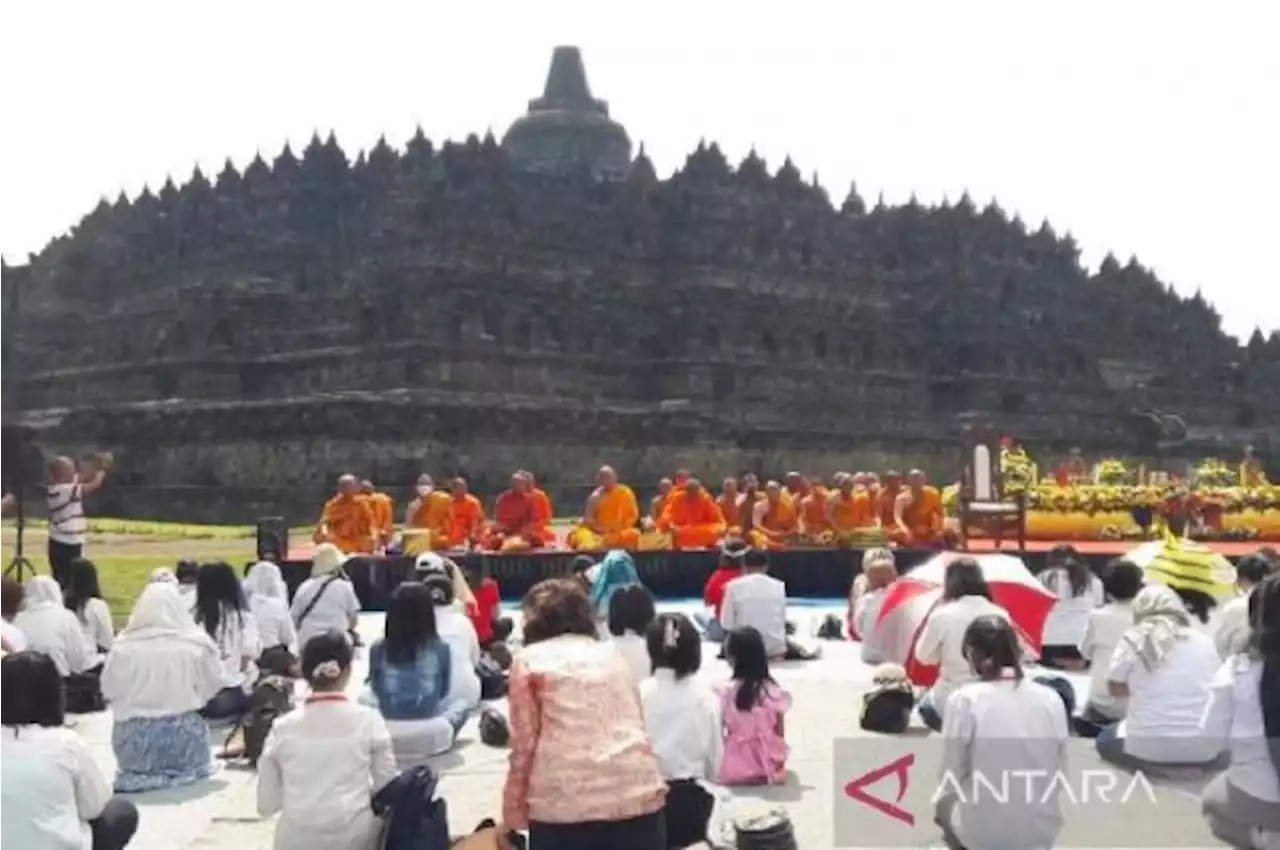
[857, 509]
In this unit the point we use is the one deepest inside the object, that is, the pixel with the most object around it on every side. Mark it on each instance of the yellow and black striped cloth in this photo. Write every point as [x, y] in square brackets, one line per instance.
[1186, 565]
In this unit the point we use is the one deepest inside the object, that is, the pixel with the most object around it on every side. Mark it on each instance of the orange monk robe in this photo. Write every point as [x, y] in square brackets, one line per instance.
[610, 522]
[515, 522]
[852, 511]
[383, 515]
[813, 513]
[545, 513]
[923, 518]
[728, 506]
[348, 523]
[432, 520]
[776, 526]
[693, 523]
[466, 515]
[884, 506]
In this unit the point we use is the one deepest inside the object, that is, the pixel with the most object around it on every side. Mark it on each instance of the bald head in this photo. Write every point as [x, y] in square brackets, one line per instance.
[520, 482]
[606, 477]
[458, 486]
[425, 480]
[693, 488]
[917, 478]
[664, 486]
[348, 484]
[366, 486]
[773, 490]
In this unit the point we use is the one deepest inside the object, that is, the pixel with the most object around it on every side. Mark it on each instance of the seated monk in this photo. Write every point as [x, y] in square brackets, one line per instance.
[886, 498]
[918, 516]
[728, 505]
[815, 528]
[466, 515]
[659, 502]
[609, 521]
[515, 526]
[747, 501]
[384, 519]
[692, 518]
[849, 509]
[347, 520]
[545, 512]
[776, 522]
[427, 519]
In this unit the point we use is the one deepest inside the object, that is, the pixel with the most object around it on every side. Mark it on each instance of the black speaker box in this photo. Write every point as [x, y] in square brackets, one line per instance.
[273, 539]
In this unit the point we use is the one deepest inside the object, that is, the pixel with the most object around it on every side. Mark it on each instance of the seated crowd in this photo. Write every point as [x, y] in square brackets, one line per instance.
[856, 509]
[614, 739]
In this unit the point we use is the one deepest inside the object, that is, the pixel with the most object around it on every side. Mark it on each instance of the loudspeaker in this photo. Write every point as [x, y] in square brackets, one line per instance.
[24, 461]
[273, 539]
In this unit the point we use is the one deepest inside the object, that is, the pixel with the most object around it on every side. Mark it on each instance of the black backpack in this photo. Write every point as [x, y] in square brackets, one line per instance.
[272, 697]
[412, 817]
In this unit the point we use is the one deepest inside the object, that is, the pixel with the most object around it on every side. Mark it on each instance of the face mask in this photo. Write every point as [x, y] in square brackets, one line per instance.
[423, 489]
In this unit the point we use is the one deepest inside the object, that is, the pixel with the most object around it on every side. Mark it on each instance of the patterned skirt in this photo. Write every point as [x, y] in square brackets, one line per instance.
[161, 752]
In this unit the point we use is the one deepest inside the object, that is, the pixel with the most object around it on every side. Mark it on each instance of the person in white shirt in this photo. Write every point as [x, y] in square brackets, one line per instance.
[50, 628]
[11, 637]
[1079, 591]
[54, 796]
[631, 612]
[188, 576]
[326, 601]
[458, 632]
[162, 671]
[1230, 622]
[67, 526]
[758, 600]
[269, 601]
[323, 762]
[1163, 666]
[84, 598]
[965, 598]
[1242, 804]
[1102, 632]
[682, 721]
[222, 611]
[878, 572]
[1022, 727]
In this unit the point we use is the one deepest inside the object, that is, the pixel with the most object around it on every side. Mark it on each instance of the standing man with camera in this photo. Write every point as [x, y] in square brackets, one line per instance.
[67, 525]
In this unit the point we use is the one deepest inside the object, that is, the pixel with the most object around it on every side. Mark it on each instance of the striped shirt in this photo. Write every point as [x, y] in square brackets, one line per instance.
[66, 514]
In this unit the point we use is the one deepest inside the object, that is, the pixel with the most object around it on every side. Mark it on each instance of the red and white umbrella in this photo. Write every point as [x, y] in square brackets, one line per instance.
[910, 601]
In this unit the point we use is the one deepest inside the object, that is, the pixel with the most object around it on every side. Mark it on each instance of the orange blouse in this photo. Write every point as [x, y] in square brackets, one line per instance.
[567, 764]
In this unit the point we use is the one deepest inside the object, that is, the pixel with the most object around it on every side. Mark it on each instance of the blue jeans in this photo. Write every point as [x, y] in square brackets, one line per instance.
[226, 703]
[929, 713]
[711, 628]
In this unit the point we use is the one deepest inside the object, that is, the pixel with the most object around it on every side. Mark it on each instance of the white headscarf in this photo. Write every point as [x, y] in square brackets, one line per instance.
[264, 579]
[162, 613]
[1159, 621]
[42, 592]
[163, 575]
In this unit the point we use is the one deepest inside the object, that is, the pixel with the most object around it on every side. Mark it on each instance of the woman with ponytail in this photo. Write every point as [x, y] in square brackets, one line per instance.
[1242, 805]
[324, 761]
[1022, 726]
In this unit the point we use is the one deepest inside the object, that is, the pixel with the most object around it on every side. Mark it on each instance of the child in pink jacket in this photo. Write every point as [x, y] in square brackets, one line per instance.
[752, 706]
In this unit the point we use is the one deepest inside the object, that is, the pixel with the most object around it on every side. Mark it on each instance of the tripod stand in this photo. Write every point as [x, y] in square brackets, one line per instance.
[21, 565]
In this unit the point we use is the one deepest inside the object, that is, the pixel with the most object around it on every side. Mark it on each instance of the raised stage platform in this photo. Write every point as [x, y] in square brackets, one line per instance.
[807, 572]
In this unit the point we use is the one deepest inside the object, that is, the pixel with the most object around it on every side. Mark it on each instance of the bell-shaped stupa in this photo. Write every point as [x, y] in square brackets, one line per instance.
[568, 129]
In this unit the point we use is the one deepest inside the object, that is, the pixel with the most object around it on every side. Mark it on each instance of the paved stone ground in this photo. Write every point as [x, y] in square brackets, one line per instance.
[219, 813]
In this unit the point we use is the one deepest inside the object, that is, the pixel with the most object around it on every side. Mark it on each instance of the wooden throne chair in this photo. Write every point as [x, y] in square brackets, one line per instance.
[983, 504]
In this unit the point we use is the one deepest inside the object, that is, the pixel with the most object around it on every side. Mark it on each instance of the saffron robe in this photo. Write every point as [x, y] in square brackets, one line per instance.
[545, 513]
[813, 514]
[348, 523]
[852, 511]
[431, 518]
[692, 523]
[923, 518]
[384, 521]
[466, 516]
[728, 506]
[515, 523]
[610, 521]
[775, 526]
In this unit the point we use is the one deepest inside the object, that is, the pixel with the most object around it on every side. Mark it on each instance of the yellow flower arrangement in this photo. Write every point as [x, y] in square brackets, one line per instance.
[1112, 472]
[1214, 473]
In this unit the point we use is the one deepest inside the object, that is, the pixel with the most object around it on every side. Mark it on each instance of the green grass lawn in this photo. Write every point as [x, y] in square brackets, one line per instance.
[157, 530]
[122, 577]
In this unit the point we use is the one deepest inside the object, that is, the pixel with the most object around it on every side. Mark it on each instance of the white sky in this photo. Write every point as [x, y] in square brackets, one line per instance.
[1141, 126]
